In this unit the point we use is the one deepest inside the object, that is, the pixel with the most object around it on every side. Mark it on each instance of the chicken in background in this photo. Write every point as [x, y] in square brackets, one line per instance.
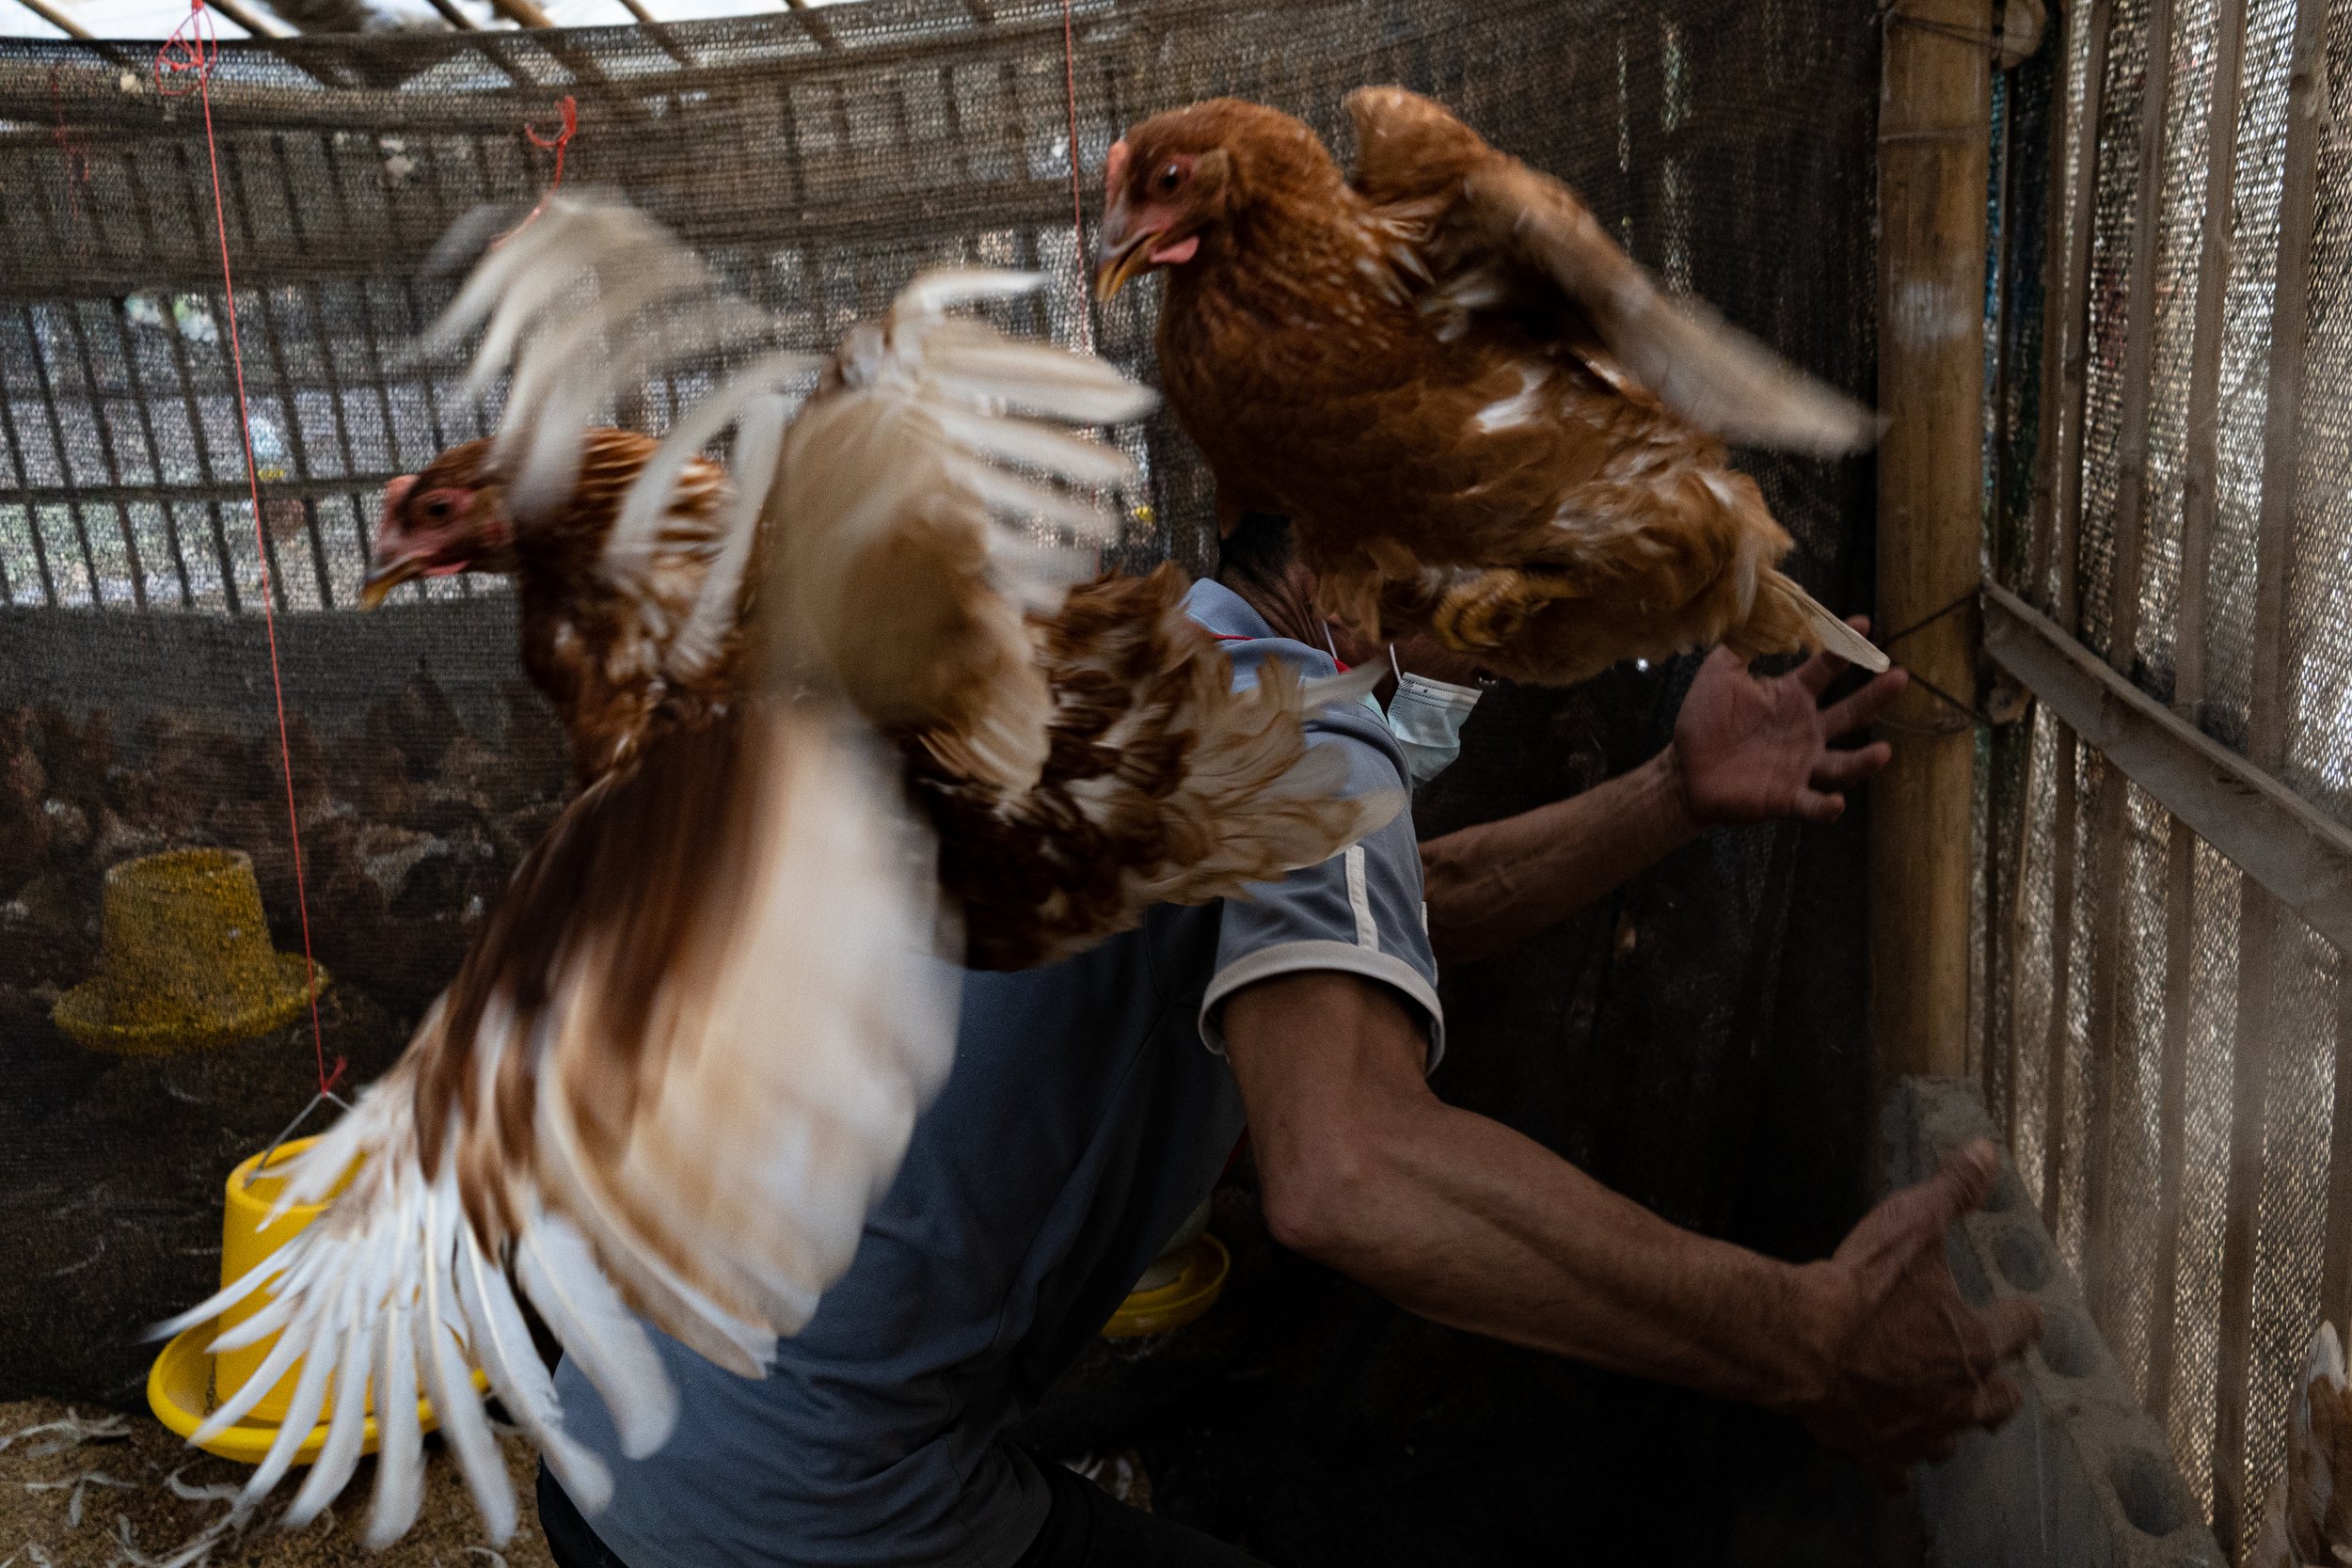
[1482, 419]
[2309, 1523]
[684, 1056]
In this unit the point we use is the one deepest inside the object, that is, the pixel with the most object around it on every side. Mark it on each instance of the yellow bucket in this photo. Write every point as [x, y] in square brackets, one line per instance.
[246, 1242]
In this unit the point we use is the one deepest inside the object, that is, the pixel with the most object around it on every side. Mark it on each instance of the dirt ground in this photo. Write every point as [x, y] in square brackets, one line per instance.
[100, 1494]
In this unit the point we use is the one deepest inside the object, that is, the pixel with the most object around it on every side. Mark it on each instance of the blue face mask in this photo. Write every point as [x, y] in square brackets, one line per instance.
[1426, 718]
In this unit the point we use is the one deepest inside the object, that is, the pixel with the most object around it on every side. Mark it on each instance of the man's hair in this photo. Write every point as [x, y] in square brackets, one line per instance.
[1257, 552]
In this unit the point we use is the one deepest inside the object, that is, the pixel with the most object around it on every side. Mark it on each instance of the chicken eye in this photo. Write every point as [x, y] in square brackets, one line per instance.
[438, 508]
[1170, 177]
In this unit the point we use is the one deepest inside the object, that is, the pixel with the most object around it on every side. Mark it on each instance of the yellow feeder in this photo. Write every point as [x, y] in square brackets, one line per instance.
[185, 960]
[1197, 1283]
[187, 1382]
[1182, 1282]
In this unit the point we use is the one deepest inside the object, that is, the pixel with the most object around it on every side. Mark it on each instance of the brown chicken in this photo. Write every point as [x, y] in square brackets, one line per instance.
[1482, 419]
[596, 643]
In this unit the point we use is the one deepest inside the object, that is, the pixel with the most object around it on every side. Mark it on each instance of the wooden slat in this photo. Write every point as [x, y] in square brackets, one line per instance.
[2199, 498]
[2201, 451]
[2259, 936]
[1934, 124]
[2180, 969]
[2299, 854]
[2066, 500]
[2058, 1149]
[2110, 960]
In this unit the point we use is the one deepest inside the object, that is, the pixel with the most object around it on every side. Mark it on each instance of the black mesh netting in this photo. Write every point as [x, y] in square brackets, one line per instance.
[1696, 1042]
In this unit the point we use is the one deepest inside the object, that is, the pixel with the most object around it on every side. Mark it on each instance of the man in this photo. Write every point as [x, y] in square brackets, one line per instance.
[1093, 1103]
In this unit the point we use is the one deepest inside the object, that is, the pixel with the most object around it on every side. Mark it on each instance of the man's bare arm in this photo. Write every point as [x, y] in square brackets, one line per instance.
[1744, 751]
[1500, 882]
[1464, 1221]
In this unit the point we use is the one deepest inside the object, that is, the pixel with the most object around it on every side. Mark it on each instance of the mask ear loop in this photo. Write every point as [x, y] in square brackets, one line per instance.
[1394, 665]
[1329, 643]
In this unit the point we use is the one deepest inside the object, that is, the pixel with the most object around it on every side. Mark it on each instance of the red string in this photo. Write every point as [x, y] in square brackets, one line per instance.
[1077, 200]
[192, 48]
[562, 139]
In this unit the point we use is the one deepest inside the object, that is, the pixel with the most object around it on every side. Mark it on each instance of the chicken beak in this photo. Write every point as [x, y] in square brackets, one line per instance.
[384, 578]
[1122, 266]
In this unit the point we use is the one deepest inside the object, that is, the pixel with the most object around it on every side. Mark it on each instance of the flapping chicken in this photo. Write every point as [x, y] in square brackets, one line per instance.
[1161, 783]
[2309, 1523]
[685, 1054]
[1482, 419]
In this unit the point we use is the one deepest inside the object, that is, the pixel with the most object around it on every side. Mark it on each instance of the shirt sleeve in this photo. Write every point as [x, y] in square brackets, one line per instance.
[1359, 912]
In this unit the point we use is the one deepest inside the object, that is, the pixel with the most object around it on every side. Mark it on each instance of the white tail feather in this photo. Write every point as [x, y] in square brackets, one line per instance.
[400, 1466]
[580, 1305]
[1835, 636]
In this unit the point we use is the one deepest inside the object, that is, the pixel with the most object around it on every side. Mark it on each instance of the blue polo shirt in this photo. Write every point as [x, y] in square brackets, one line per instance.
[1088, 1111]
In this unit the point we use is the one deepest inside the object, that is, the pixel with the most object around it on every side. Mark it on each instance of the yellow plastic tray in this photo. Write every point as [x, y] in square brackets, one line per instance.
[1173, 1306]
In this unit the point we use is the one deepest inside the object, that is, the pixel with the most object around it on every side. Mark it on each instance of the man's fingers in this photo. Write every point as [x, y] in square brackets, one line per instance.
[1907, 1223]
[1816, 673]
[1816, 806]
[2011, 1324]
[1995, 1402]
[1862, 707]
[1843, 769]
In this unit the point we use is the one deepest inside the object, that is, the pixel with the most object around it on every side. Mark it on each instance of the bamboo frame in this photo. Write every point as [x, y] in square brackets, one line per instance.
[1935, 126]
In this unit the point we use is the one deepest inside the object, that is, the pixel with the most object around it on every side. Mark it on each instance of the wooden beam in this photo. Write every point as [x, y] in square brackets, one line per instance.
[2298, 853]
[1934, 140]
[55, 18]
[522, 13]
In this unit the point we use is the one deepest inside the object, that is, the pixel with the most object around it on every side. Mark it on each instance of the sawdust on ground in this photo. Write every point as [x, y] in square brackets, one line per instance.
[99, 1494]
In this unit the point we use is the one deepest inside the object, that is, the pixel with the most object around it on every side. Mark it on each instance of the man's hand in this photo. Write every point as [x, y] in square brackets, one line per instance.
[1754, 751]
[1912, 1366]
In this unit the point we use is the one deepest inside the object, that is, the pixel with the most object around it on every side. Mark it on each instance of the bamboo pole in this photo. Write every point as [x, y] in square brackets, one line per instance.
[1935, 134]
